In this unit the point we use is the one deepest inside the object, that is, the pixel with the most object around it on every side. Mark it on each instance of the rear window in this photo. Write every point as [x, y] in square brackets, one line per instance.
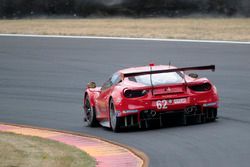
[158, 79]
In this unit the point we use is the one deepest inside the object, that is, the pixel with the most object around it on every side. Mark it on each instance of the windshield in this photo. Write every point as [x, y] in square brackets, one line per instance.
[158, 79]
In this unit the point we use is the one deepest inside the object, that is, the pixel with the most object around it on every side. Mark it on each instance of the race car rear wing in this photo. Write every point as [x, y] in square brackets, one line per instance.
[209, 67]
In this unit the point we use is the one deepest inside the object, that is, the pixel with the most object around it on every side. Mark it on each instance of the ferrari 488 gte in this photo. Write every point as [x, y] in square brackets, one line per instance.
[141, 95]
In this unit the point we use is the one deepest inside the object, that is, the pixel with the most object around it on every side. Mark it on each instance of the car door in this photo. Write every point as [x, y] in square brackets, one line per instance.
[103, 98]
[106, 91]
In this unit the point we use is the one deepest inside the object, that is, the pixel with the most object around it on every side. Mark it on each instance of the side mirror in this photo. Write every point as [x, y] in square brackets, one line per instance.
[91, 85]
[193, 75]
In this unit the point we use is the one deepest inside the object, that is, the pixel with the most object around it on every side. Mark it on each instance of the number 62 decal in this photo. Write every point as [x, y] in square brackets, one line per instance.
[161, 104]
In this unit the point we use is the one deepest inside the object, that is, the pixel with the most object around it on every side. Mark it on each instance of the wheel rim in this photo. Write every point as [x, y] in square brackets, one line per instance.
[88, 111]
[112, 116]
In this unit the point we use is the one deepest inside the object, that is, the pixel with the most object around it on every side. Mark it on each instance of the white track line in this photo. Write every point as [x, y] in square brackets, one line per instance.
[125, 38]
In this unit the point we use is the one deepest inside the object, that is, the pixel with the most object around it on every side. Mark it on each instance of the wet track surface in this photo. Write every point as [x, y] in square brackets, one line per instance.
[42, 79]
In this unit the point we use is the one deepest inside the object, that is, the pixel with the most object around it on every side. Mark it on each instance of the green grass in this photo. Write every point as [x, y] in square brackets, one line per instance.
[26, 151]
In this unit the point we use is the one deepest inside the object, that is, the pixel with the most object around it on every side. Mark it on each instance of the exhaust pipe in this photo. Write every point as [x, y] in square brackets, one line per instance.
[191, 109]
[153, 113]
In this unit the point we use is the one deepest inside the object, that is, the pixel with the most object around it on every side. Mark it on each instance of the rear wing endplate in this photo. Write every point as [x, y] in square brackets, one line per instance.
[209, 67]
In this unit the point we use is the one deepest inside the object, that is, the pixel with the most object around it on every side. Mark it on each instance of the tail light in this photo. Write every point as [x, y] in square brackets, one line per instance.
[134, 93]
[201, 87]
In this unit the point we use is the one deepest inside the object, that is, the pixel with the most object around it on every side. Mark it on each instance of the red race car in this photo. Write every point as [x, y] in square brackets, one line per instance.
[142, 95]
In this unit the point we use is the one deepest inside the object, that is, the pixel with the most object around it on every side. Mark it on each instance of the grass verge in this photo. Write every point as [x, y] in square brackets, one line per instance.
[237, 29]
[23, 151]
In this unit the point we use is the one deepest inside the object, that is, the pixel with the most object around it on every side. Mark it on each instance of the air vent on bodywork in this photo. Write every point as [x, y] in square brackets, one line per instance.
[201, 87]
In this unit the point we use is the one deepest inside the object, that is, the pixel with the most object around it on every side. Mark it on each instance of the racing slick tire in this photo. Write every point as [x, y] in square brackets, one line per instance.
[114, 120]
[90, 116]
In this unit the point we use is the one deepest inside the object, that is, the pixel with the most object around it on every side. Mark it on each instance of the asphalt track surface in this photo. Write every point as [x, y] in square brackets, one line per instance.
[42, 80]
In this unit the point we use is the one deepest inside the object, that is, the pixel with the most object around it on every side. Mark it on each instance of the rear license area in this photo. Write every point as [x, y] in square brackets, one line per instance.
[165, 103]
[180, 101]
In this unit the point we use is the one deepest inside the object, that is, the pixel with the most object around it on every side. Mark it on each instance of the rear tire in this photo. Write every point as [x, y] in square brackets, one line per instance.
[113, 119]
[90, 116]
